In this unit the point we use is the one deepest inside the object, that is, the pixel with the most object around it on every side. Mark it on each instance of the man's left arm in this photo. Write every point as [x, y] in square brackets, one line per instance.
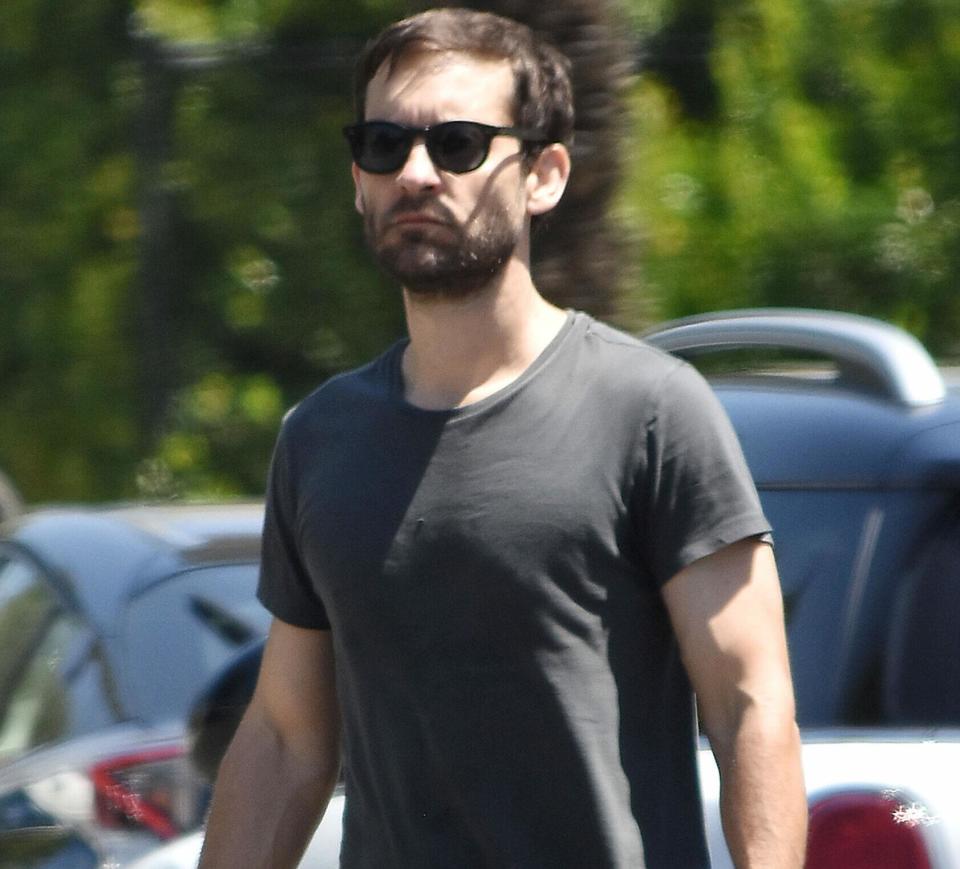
[727, 613]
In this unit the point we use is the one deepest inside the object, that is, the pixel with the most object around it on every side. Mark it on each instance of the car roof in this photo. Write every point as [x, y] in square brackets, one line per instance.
[879, 414]
[102, 556]
[796, 434]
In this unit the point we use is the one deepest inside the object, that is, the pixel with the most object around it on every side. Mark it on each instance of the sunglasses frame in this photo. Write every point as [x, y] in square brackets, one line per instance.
[409, 135]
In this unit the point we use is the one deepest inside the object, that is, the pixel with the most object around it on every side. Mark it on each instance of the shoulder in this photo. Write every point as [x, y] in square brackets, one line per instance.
[618, 351]
[344, 395]
[627, 369]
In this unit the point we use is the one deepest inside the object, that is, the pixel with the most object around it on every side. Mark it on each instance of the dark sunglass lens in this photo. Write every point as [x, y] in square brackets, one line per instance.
[458, 146]
[382, 147]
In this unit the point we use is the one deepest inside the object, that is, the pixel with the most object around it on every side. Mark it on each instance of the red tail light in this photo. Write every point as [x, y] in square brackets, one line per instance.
[864, 830]
[155, 790]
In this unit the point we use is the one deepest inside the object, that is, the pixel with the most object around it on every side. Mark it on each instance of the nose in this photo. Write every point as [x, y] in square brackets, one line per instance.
[418, 173]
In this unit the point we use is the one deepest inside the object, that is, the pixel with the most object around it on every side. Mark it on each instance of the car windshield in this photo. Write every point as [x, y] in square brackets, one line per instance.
[181, 631]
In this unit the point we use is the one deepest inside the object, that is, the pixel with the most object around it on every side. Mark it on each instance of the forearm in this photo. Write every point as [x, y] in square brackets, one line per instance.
[763, 802]
[268, 799]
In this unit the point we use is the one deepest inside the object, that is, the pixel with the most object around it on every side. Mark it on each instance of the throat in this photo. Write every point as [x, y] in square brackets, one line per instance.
[445, 374]
[450, 396]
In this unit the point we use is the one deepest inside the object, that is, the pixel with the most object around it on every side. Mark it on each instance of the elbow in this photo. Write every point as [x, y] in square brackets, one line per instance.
[766, 720]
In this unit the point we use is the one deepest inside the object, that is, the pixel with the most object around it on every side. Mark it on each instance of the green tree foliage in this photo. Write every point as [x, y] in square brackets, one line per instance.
[179, 258]
[811, 160]
[274, 291]
[68, 226]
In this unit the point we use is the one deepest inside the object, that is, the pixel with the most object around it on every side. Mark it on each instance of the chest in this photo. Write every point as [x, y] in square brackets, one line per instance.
[432, 537]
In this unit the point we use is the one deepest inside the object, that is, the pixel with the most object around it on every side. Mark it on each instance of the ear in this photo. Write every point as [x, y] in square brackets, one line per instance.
[358, 193]
[547, 178]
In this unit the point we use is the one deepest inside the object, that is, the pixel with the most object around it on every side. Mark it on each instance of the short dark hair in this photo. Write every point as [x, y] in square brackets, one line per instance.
[542, 95]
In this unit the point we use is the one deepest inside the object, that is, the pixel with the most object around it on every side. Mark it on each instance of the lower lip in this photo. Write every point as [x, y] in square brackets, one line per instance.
[421, 227]
[417, 221]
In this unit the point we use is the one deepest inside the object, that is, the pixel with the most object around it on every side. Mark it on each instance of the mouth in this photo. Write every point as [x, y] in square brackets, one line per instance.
[417, 219]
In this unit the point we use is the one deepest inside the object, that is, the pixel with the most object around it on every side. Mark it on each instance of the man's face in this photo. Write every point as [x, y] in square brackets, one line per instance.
[437, 232]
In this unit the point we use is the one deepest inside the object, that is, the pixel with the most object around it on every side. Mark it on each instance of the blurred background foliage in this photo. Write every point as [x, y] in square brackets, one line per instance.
[180, 261]
[811, 161]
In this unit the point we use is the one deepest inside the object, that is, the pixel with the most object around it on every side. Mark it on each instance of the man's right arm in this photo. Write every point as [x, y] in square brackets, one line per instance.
[280, 770]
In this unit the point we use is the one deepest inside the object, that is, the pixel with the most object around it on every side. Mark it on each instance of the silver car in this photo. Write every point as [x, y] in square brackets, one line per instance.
[112, 620]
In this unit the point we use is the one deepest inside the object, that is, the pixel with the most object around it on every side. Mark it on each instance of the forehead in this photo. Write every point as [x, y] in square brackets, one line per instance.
[428, 86]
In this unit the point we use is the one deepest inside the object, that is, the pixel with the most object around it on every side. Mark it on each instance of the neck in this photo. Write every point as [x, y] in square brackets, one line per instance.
[464, 349]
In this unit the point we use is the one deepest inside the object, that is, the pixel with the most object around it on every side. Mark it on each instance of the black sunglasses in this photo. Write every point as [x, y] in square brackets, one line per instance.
[455, 146]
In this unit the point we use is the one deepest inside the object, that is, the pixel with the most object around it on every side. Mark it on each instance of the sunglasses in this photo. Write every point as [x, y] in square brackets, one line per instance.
[381, 147]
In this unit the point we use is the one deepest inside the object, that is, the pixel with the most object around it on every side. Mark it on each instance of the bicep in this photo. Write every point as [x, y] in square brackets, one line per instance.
[296, 689]
[727, 614]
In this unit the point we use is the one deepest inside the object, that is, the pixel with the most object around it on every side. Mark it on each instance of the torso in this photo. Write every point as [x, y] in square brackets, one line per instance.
[510, 686]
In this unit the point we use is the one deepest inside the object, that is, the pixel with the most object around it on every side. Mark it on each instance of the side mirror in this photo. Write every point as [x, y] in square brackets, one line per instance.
[219, 708]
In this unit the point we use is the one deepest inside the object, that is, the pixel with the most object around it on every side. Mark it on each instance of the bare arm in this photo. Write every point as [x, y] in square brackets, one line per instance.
[727, 612]
[280, 770]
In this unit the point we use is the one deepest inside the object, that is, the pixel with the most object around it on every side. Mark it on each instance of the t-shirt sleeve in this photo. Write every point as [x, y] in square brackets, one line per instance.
[285, 587]
[696, 494]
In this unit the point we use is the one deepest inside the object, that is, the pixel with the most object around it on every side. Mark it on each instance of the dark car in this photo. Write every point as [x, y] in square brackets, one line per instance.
[111, 622]
[855, 448]
[853, 436]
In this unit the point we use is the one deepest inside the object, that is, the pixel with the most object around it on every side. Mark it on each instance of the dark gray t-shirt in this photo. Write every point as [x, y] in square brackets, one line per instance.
[511, 690]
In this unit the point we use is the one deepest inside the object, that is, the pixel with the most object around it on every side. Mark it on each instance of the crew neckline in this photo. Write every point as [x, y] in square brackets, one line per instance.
[396, 385]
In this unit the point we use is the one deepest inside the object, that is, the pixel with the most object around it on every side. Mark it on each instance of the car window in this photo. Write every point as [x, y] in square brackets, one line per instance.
[922, 654]
[40, 643]
[817, 535]
[181, 631]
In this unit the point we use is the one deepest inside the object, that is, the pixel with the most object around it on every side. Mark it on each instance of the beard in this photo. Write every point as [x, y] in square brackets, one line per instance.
[448, 261]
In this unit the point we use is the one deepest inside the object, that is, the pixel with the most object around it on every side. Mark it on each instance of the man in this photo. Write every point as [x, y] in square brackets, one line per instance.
[497, 553]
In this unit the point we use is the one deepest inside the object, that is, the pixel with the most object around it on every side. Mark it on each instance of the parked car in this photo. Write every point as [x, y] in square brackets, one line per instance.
[112, 621]
[856, 453]
[854, 441]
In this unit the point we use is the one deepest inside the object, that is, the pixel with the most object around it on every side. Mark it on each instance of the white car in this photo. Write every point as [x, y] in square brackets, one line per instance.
[878, 800]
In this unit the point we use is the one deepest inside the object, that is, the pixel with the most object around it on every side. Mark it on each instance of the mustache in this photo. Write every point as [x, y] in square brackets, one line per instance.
[420, 205]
